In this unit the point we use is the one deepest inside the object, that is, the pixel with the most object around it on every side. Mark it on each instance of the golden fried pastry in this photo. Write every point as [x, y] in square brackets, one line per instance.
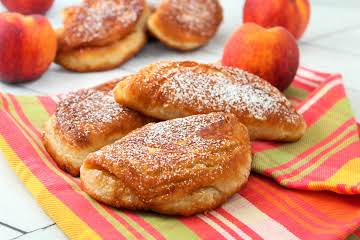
[186, 24]
[101, 34]
[170, 90]
[84, 122]
[182, 166]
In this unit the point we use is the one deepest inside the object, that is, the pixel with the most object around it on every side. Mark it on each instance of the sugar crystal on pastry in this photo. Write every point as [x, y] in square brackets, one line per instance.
[181, 166]
[195, 15]
[219, 93]
[168, 90]
[185, 24]
[96, 20]
[85, 121]
[101, 34]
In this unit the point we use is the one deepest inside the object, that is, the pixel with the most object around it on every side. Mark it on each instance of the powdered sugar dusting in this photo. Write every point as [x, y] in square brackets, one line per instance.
[97, 19]
[180, 129]
[198, 16]
[88, 110]
[169, 136]
[224, 89]
[174, 149]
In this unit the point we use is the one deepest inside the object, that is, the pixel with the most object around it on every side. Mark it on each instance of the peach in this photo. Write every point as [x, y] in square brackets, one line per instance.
[28, 6]
[27, 47]
[293, 15]
[272, 53]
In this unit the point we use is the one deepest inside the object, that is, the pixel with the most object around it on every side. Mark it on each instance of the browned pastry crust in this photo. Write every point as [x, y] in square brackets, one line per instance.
[101, 35]
[97, 23]
[182, 166]
[186, 24]
[84, 122]
[170, 90]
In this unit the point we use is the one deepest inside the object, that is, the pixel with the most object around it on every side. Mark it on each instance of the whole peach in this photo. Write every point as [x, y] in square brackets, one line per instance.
[293, 15]
[27, 47]
[272, 53]
[28, 6]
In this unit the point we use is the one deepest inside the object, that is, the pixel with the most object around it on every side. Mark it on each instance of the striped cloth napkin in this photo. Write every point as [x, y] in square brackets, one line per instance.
[327, 158]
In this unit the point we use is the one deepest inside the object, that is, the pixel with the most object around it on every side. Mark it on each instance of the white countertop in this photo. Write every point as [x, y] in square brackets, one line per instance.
[330, 44]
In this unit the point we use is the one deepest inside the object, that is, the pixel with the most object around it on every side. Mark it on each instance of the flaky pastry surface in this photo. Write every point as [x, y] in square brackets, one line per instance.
[97, 23]
[85, 121]
[170, 90]
[186, 24]
[182, 166]
[118, 35]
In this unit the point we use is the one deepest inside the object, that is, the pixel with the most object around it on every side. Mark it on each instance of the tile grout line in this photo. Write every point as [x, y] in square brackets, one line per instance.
[322, 4]
[331, 49]
[209, 52]
[13, 228]
[345, 29]
[33, 90]
[20, 87]
[26, 233]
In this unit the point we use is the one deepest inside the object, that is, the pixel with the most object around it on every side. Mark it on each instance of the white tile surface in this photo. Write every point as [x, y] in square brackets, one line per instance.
[18, 208]
[354, 97]
[328, 60]
[7, 233]
[58, 80]
[329, 44]
[328, 18]
[336, 3]
[345, 41]
[16, 89]
[51, 232]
